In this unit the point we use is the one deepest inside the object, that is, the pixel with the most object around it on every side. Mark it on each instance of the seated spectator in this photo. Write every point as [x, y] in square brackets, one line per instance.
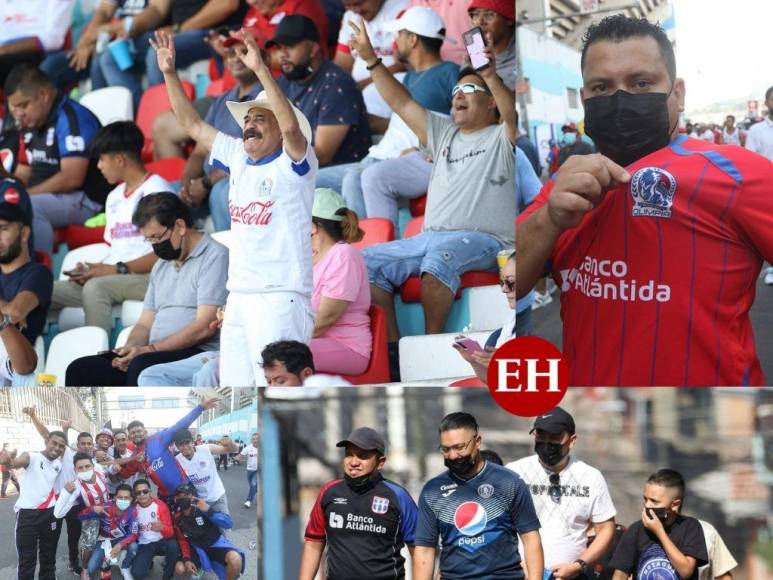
[66, 68]
[190, 20]
[25, 293]
[65, 185]
[125, 272]
[402, 169]
[457, 21]
[30, 29]
[13, 191]
[203, 547]
[202, 183]
[376, 14]
[186, 287]
[287, 363]
[324, 92]
[342, 341]
[479, 361]
[496, 19]
[467, 221]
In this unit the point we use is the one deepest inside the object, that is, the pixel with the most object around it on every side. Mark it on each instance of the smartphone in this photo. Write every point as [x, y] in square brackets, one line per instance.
[468, 344]
[223, 31]
[475, 45]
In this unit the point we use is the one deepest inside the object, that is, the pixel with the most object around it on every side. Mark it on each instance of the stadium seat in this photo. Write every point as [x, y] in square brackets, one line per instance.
[377, 231]
[411, 290]
[154, 101]
[131, 310]
[110, 104]
[215, 88]
[123, 337]
[488, 307]
[79, 236]
[418, 205]
[43, 258]
[170, 169]
[71, 345]
[378, 369]
[432, 356]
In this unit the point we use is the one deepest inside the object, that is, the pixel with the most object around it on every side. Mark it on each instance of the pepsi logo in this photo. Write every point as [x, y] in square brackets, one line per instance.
[470, 518]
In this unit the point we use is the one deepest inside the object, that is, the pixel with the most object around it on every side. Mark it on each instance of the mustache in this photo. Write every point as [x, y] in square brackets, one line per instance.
[252, 133]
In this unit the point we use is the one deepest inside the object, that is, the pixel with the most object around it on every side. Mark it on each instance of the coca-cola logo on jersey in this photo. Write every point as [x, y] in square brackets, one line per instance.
[157, 464]
[256, 213]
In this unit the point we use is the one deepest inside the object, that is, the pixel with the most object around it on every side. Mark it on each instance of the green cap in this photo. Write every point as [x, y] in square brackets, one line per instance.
[326, 203]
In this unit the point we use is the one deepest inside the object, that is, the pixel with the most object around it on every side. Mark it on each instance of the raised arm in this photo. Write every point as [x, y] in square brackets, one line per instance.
[201, 132]
[39, 427]
[394, 93]
[504, 97]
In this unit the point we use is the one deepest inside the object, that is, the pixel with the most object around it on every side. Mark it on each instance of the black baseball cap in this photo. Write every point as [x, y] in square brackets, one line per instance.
[554, 421]
[185, 488]
[12, 212]
[293, 29]
[365, 438]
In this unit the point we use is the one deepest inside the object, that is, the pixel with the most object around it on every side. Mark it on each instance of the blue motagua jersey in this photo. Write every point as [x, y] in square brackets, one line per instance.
[477, 522]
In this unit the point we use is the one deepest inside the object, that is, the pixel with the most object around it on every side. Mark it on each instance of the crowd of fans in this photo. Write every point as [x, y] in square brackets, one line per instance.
[395, 112]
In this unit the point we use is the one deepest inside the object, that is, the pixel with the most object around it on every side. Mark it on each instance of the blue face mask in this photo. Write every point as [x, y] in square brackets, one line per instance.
[570, 138]
[123, 504]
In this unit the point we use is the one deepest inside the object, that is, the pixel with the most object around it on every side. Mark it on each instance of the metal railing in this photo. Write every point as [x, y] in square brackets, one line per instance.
[53, 406]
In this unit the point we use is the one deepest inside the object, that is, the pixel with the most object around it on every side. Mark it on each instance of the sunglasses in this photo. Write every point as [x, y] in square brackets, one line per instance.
[509, 285]
[555, 488]
[468, 89]
[142, 492]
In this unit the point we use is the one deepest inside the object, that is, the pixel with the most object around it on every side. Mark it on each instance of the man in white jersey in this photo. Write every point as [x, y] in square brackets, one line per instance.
[570, 497]
[272, 173]
[37, 530]
[199, 463]
[250, 452]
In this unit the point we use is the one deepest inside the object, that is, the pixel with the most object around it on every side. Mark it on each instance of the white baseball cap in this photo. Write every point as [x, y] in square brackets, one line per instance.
[239, 110]
[420, 20]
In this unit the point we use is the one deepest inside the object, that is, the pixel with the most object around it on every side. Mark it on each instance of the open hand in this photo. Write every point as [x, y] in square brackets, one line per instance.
[652, 523]
[250, 53]
[164, 47]
[360, 41]
[210, 402]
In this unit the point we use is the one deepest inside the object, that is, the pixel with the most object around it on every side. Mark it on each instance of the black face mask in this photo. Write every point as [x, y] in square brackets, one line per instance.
[183, 503]
[625, 127]
[363, 482]
[461, 466]
[660, 513]
[166, 251]
[549, 453]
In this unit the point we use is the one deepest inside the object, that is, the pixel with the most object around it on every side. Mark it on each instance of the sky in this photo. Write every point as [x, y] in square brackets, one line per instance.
[724, 49]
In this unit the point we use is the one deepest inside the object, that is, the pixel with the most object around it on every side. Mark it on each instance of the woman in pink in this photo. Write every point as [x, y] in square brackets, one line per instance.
[341, 342]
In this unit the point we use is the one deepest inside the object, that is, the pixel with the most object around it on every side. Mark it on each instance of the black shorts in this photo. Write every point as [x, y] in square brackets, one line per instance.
[215, 555]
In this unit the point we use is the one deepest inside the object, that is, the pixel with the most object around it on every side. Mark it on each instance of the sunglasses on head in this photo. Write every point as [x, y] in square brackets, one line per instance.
[468, 89]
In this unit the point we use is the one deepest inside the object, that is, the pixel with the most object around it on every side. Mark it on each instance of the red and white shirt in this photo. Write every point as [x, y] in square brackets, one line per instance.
[38, 493]
[157, 511]
[90, 494]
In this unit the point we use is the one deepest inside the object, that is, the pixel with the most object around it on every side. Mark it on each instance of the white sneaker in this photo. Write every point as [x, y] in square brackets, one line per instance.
[541, 300]
[247, 504]
[769, 278]
[127, 573]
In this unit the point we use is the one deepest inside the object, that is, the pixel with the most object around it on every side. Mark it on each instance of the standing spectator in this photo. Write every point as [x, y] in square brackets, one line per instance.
[732, 135]
[250, 452]
[8, 473]
[457, 20]
[199, 463]
[125, 272]
[222, 457]
[760, 136]
[525, 144]
[65, 185]
[496, 19]
[573, 144]
[155, 533]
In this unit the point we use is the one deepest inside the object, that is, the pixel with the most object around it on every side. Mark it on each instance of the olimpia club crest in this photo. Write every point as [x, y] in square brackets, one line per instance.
[652, 189]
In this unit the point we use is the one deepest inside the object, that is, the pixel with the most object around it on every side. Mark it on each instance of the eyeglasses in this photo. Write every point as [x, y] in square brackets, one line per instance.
[156, 239]
[458, 448]
[509, 285]
[142, 492]
[483, 15]
[468, 89]
[555, 487]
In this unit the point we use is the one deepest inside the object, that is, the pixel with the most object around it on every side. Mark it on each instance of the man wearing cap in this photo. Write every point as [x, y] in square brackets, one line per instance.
[573, 144]
[272, 172]
[570, 496]
[475, 510]
[496, 19]
[364, 520]
[25, 294]
[323, 91]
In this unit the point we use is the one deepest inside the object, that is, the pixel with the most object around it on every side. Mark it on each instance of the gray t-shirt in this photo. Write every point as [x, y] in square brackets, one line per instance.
[174, 293]
[472, 182]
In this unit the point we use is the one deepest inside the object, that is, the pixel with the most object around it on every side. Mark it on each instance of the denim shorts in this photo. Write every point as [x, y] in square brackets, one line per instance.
[444, 255]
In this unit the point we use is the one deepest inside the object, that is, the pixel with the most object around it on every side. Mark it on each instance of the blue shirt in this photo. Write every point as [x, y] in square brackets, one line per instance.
[221, 118]
[476, 522]
[35, 278]
[527, 186]
[432, 88]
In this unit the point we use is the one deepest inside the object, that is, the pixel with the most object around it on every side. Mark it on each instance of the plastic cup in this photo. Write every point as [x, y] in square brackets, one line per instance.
[121, 53]
[43, 380]
[502, 257]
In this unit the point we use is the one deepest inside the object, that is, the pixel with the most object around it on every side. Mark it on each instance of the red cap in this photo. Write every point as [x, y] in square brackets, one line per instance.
[505, 8]
[569, 127]
[230, 41]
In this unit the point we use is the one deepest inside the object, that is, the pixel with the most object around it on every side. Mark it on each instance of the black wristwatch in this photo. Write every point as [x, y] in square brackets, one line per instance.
[121, 268]
[583, 565]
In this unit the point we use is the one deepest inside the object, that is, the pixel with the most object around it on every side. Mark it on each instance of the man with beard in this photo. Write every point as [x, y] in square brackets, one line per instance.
[272, 168]
[25, 294]
[37, 530]
[364, 519]
[477, 510]
[323, 91]
[657, 242]
[570, 497]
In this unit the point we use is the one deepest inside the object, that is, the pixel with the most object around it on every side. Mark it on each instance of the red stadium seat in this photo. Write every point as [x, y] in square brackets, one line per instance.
[468, 382]
[377, 231]
[170, 169]
[411, 290]
[154, 101]
[77, 236]
[418, 205]
[214, 88]
[44, 258]
[378, 369]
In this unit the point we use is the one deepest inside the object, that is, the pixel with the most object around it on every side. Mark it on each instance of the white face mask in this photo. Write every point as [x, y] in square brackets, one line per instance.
[86, 475]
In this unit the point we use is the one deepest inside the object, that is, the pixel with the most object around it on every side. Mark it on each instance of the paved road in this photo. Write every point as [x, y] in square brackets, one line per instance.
[547, 324]
[244, 532]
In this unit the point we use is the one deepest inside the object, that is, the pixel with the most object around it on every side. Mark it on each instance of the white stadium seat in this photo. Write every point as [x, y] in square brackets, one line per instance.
[110, 104]
[71, 345]
[130, 312]
[123, 336]
[432, 356]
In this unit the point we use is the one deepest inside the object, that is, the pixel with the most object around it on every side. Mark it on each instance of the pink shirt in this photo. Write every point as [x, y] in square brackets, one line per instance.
[455, 17]
[342, 275]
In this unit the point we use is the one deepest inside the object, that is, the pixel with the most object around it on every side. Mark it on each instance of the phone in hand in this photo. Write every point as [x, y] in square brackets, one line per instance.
[475, 45]
[468, 345]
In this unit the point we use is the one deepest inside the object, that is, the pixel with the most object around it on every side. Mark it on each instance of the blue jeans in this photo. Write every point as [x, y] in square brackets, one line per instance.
[444, 255]
[189, 47]
[345, 179]
[252, 481]
[95, 562]
[200, 370]
[57, 67]
[145, 553]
